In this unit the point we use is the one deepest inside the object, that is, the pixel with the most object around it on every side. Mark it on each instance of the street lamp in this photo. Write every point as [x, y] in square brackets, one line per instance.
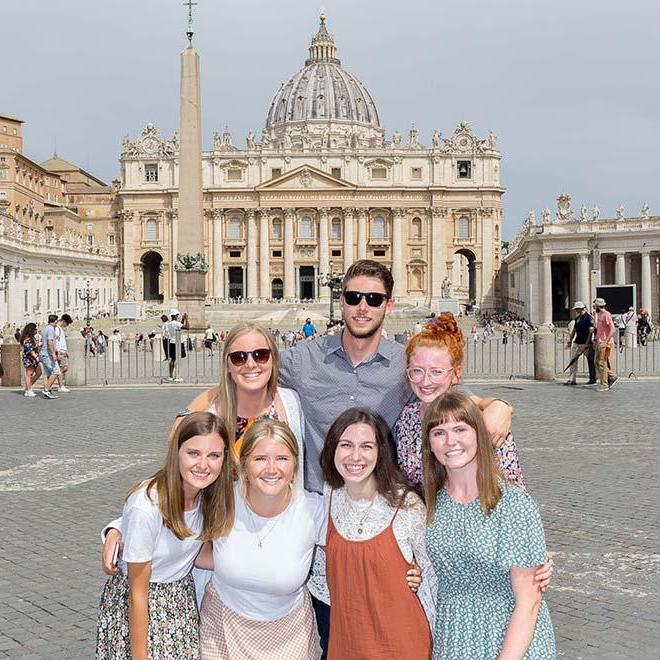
[88, 296]
[334, 283]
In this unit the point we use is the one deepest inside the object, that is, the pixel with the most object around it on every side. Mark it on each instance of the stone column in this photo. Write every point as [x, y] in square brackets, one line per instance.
[546, 293]
[252, 277]
[13, 296]
[324, 253]
[583, 280]
[218, 250]
[437, 252]
[533, 290]
[363, 214]
[397, 253]
[479, 282]
[289, 247]
[264, 254]
[174, 228]
[620, 276]
[348, 237]
[646, 282]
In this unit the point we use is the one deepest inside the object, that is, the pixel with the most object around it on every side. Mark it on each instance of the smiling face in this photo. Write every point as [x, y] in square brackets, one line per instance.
[361, 320]
[356, 454]
[270, 468]
[251, 376]
[454, 444]
[200, 461]
[432, 360]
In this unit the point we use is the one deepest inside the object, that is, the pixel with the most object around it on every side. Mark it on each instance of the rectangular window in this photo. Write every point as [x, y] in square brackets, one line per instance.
[464, 169]
[151, 173]
[235, 229]
[379, 253]
[379, 173]
[235, 254]
[234, 174]
[275, 172]
[512, 280]
[58, 299]
[151, 230]
[26, 301]
[277, 253]
[416, 173]
[90, 240]
[336, 172]
[336, 253]
[111, 239]
[3, 174]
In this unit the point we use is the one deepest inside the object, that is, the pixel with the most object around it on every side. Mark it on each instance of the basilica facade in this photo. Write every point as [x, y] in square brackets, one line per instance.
[320, 188]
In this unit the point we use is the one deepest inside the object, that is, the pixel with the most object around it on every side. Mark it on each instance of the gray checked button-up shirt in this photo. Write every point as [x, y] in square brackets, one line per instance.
[328, 384]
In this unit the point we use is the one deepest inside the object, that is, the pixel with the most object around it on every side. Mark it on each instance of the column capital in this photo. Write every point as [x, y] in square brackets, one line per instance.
[349, 211]
[289, 213]
[209, 213]
[219, 214]
[264, 211]
[249, 214]
[363, 213]
[437, 212]
[324, 213]
[398, 212]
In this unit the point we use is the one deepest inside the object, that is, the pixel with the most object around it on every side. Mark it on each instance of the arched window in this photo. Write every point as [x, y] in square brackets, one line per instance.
[463, 227]
[151, 230]
[378, 227]
[335, 232]
[277, 229]
[306, 229]
[416, 228]
[235, 228]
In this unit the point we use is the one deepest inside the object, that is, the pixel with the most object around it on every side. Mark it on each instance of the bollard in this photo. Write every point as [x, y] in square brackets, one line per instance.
[10, 357]
[630, 338]
[75, 344]
[544, 354]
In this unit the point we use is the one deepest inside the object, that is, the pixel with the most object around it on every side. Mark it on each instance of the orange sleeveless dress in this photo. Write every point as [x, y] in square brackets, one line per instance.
[373, 614]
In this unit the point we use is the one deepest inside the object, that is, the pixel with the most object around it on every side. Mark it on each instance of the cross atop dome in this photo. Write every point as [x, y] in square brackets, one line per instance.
[323, 47]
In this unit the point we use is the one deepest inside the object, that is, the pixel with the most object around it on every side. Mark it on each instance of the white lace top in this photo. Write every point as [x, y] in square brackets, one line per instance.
[409, 529]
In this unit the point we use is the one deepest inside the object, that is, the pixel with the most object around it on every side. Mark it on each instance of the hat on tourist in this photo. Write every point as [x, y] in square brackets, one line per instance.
[579, 305]
[600, 302]
[174, 312]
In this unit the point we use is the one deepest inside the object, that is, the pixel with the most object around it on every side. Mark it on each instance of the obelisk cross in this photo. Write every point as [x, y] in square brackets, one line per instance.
[189, 33]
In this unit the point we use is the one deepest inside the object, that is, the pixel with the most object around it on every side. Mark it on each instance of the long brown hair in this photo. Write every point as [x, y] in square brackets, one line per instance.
[390, 483]
[217, 498]
[457, 407]
[225, 401]
[29, 332]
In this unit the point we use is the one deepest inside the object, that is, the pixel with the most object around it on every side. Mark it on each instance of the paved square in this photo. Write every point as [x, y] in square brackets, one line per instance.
[590, 460]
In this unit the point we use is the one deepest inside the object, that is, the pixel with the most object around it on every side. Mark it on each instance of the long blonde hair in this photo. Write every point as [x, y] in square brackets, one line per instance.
[260, 430]
[226, 404]
[459, 408]
[217, 499]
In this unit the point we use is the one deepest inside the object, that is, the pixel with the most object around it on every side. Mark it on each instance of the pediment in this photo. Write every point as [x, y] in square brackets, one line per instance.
[306, 177]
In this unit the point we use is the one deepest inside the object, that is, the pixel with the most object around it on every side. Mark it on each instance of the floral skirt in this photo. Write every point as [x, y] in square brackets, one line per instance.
[173, 620]
[225, 635]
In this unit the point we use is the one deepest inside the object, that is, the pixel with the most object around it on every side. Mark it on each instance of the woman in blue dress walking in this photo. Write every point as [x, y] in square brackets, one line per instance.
[485, 539]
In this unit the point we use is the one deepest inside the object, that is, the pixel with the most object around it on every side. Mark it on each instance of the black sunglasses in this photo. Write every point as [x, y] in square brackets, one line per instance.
[239, 358]
[373, 298]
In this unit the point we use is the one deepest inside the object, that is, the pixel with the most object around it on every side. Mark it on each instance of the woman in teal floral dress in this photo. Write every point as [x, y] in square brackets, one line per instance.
[485, 539]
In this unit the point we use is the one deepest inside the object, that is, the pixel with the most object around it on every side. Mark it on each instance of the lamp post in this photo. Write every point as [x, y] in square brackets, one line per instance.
[334, 282]
[88, 296]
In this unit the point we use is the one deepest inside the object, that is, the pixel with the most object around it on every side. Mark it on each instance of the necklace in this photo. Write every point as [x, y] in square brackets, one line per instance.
[359, 514]
[253, 522]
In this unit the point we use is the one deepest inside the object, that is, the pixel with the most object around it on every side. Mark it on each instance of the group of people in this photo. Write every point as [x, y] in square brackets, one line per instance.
[347, 498]
[45, 354]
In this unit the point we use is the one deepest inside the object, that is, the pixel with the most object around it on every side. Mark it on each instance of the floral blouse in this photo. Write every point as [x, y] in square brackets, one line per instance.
[408, 434]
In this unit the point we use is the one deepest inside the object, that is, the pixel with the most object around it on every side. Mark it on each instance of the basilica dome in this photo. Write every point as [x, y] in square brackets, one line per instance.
[323, 93]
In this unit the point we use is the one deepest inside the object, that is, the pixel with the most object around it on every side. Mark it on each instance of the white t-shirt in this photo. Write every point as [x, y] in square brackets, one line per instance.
[267, 583]
[60, 339]
[147, 539]
[173, 329]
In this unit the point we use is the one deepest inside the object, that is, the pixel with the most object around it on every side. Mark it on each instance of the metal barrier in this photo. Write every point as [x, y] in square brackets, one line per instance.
[494, 359]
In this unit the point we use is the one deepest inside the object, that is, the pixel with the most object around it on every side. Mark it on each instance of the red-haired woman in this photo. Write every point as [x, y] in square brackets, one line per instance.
[434, 359]
[486, 541]
[148, 607]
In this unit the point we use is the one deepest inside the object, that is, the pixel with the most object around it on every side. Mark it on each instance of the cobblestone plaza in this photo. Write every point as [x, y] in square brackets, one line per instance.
[66, 465]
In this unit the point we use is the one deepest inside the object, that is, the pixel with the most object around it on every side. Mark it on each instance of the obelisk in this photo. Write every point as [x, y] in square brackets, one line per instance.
[191, 265]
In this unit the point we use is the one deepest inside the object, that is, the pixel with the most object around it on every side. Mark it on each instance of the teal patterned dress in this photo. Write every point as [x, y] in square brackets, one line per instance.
[472, 555]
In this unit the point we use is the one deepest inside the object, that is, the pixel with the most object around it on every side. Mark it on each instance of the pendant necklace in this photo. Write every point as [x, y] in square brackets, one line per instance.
[253, 522]
[364, 516]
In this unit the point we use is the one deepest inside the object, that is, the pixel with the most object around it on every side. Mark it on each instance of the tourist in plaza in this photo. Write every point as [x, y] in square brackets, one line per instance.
[604, 341]
[29, 341]
[486, 541]
[434, 366]
[165, 521]
[210, 338]
[164, 336]
[309, 329]
[101, 342]
[580, 341]
[48, 356]
[643, 326]
[175, 344]
[256, 604]
[62, 352]
[354, 367]
[376, 530]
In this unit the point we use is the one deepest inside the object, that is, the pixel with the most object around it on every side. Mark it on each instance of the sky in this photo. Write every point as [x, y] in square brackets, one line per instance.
[570, 87]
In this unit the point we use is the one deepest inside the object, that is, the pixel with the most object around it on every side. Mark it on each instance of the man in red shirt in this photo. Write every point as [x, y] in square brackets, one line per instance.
[605, 330]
